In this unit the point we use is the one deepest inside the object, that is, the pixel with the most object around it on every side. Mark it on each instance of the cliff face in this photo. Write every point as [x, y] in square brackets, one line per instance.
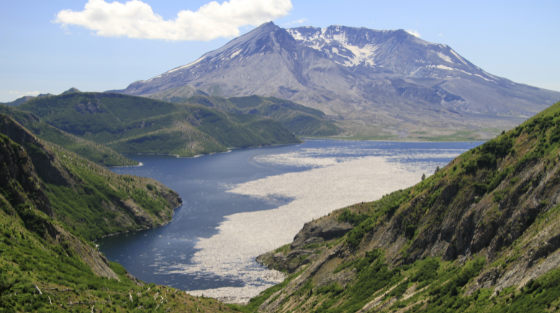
[493, 214]
[45, 162]
[17, 167]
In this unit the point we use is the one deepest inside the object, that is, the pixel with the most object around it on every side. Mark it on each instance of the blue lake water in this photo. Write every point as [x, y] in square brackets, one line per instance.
[202, 183]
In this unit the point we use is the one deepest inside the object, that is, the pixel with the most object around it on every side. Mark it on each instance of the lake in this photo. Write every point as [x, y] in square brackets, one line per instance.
[239, 204]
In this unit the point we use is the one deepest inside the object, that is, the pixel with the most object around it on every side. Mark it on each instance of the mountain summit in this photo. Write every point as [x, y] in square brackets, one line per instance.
[376, 83]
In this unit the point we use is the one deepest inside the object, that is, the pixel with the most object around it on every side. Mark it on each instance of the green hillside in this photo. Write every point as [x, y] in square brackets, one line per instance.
[89, 198]
[52, 202]
[299, 119]
[480, 235]
[130, 124]
[176, 95]
[90, 150]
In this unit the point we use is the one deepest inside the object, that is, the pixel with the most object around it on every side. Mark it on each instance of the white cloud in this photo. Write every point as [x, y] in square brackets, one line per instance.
[413, 32]
[25, 92]
[135, 19]
[440, 34]
[300, 21]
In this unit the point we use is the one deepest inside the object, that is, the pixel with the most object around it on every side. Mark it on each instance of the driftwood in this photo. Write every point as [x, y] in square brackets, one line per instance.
[88, 303]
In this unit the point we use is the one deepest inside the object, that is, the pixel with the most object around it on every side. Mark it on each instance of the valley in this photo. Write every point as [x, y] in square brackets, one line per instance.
[290, 169]
[408, 240]
[264, 197]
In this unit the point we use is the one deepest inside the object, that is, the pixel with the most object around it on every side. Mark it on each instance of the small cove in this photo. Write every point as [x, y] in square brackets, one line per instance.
[205, 183]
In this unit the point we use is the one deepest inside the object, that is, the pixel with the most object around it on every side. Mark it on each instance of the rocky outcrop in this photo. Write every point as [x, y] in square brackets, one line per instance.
[171, 196]
[90, 255]
[88, 107]
[319, 232]
[140, 216]
[46, 165]
[18, 178]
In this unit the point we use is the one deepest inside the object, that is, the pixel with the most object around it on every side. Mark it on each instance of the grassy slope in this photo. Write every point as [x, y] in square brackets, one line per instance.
[103, 202]
[299, 119]
[88, 149]
[89, 198]
[43, 267]
[130, 124]
[176, 95]
[481, 235]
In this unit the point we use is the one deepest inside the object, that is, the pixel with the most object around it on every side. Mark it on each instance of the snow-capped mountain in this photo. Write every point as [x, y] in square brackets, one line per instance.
[385, 81]
[370, 48]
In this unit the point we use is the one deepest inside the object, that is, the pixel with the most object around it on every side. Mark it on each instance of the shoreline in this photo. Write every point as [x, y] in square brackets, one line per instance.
[117, 166]
[243, 236]
[145, 228]
[229, 149]
[406, 141]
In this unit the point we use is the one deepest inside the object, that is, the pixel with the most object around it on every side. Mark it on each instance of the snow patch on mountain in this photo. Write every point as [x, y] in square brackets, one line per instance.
[185, 66]
[365, 54]
[149, 80]
[458, 57]
[412, 74]
[444, 57]
[484, 78]
[442, 67]
[321, 40]
[489, 75]
[233, 55]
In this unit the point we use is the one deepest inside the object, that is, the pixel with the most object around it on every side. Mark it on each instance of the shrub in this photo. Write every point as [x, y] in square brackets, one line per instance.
[427, 270]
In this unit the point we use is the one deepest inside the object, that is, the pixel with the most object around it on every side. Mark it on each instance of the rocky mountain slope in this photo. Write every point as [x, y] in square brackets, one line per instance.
[46, 264]
[375, 83]
[481, 234]
[129, 124]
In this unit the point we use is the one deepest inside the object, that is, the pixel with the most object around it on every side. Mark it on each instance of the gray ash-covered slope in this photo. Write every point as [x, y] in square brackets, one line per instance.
[384, 82]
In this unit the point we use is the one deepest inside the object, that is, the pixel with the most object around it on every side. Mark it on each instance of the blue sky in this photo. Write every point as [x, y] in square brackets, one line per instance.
[518, 40]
